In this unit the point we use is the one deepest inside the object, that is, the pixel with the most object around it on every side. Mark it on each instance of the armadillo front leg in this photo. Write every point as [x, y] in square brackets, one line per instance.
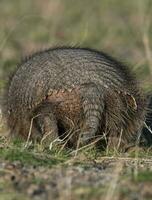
[93, 105]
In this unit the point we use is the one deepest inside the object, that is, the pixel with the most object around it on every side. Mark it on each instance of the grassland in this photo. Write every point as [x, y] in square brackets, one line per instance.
[121, 28]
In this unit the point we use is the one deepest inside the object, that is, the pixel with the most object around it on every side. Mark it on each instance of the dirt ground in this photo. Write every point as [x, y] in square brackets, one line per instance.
[107, 178]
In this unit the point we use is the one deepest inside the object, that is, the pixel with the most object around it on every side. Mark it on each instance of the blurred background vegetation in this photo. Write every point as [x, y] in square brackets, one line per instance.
[121, 28]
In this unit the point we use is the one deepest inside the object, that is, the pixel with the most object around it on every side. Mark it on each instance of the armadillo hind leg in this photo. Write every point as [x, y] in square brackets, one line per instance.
[93, 105]
[46, 123]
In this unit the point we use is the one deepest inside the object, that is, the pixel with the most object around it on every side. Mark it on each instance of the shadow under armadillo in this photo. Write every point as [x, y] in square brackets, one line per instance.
[147, 129]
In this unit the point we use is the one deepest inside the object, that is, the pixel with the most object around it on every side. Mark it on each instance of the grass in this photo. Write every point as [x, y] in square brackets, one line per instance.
[27, 157]
[12, 195]
[121, 28]
[35, 154]
[14, 150]
[144, 176]
[94, 167]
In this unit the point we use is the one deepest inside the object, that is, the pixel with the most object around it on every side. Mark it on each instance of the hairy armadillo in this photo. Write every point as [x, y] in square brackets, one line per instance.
[82, 89]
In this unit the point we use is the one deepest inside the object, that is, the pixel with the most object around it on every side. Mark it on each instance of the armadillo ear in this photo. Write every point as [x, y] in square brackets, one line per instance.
[128, 99]
[131, 102]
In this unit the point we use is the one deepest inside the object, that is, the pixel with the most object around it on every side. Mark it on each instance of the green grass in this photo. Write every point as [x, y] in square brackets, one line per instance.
[36, 154]
[28, 158]
[14, 150]
[12, 195]
[144, 176]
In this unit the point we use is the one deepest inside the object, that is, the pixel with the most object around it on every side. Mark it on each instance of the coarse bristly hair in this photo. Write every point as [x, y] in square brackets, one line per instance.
[125, 106]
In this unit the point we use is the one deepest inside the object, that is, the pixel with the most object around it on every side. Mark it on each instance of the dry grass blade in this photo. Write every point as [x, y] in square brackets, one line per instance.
[119, 141]
[78, 144]
[30, 131]
[54, 141]
[148, 128]
[66, 139]
[145, 30]
[90, 145]
[111, 193]
[146, 43]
